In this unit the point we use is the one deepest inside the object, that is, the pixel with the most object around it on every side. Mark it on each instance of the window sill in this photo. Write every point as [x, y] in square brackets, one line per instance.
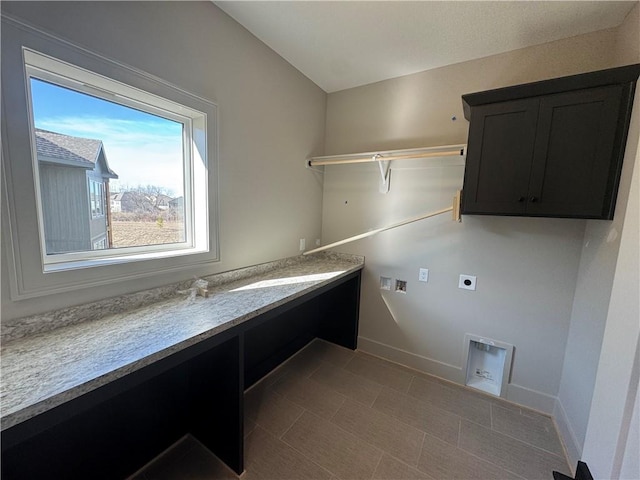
[117, 260]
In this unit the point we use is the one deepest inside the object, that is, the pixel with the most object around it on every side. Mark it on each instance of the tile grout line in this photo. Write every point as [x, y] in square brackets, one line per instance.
[556, 435]
[344, 431]
[421, 429]
[424, 438]
[315, 369]
[404, 390]
[429, 477]
[347, 372]
[491, 415]
[304, 410]
[389, 370]
[382, 452]
[299, 404]
[344, 367]
[376, 398]
[529, 446]
[413, 378]
[448, 410]
[302, 454]
[343, 399]
[364, 440]
[491, 462]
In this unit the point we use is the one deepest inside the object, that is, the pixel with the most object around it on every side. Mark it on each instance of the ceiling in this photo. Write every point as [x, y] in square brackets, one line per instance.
[344, 44]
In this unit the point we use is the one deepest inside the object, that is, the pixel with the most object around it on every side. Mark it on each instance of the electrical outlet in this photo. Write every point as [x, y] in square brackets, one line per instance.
[467, 282]
[303, 244]
[423, 275]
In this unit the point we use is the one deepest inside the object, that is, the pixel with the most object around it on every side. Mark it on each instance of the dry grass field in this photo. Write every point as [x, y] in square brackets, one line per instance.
[127, 234]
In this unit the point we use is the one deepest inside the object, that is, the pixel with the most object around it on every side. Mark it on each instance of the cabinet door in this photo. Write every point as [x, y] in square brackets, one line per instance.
[499, 156]
[571, 173]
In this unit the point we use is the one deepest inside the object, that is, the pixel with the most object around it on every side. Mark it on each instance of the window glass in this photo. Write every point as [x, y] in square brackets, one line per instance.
[89, 147]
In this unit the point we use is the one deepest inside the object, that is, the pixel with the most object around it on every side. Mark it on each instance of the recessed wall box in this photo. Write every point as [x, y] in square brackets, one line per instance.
[385, 283]
[488, 364]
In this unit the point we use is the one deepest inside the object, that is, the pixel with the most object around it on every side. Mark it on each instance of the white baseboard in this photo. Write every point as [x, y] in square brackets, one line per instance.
[539, 401]
[567, 435]
[411, 360]
[533, 399]
[542, 402]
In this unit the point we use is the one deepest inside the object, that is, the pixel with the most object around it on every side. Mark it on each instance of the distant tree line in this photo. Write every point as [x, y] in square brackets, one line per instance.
[149, 203]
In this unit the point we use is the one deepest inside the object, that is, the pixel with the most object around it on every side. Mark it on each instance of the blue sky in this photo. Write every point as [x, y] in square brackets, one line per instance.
[143, 149]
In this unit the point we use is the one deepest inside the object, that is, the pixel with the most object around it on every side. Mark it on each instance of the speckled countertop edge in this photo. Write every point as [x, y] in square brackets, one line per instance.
[15, 329]
[47, 368]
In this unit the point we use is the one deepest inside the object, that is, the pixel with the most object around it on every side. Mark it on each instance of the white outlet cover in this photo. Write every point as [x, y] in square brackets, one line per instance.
[423, 275]
[467, 282]
[303, 244]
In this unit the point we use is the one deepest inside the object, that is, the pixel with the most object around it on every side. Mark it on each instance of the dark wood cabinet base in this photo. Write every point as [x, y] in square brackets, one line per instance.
[115, 430]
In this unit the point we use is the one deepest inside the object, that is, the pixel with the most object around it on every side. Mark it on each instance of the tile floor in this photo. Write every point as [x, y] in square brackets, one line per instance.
[330, 413]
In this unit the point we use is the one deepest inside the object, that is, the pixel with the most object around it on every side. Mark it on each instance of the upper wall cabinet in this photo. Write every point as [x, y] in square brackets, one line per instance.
[549, 149]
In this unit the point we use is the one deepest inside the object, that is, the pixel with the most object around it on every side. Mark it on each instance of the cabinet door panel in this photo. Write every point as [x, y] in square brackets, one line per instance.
[499, 155]
[573, 151]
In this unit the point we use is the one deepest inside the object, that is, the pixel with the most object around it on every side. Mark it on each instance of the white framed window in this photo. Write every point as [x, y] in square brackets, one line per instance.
[67, 103]
[47, 257]
[100, 244]
[96, 199]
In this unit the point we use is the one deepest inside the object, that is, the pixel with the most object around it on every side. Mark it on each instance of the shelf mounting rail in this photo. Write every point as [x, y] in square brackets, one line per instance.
[383, 159]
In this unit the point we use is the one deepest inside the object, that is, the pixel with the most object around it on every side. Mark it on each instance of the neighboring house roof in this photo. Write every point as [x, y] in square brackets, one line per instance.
[162, 199]
[176, 202]
[142, 202]
[117, 197]
[71, 151]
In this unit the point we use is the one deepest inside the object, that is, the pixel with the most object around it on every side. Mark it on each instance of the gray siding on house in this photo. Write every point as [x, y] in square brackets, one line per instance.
[71, 168]
[65, 218]
[98, 224]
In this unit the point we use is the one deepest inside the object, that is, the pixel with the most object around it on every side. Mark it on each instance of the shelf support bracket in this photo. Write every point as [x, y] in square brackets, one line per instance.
[385, 172]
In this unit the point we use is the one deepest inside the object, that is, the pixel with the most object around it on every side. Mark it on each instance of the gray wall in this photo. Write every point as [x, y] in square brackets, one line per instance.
[271, 118]
[607, 441]
[526, 268]
[611, 441]
[595, 280]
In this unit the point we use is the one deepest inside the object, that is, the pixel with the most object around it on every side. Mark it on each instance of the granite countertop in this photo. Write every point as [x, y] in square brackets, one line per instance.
[47, 368]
